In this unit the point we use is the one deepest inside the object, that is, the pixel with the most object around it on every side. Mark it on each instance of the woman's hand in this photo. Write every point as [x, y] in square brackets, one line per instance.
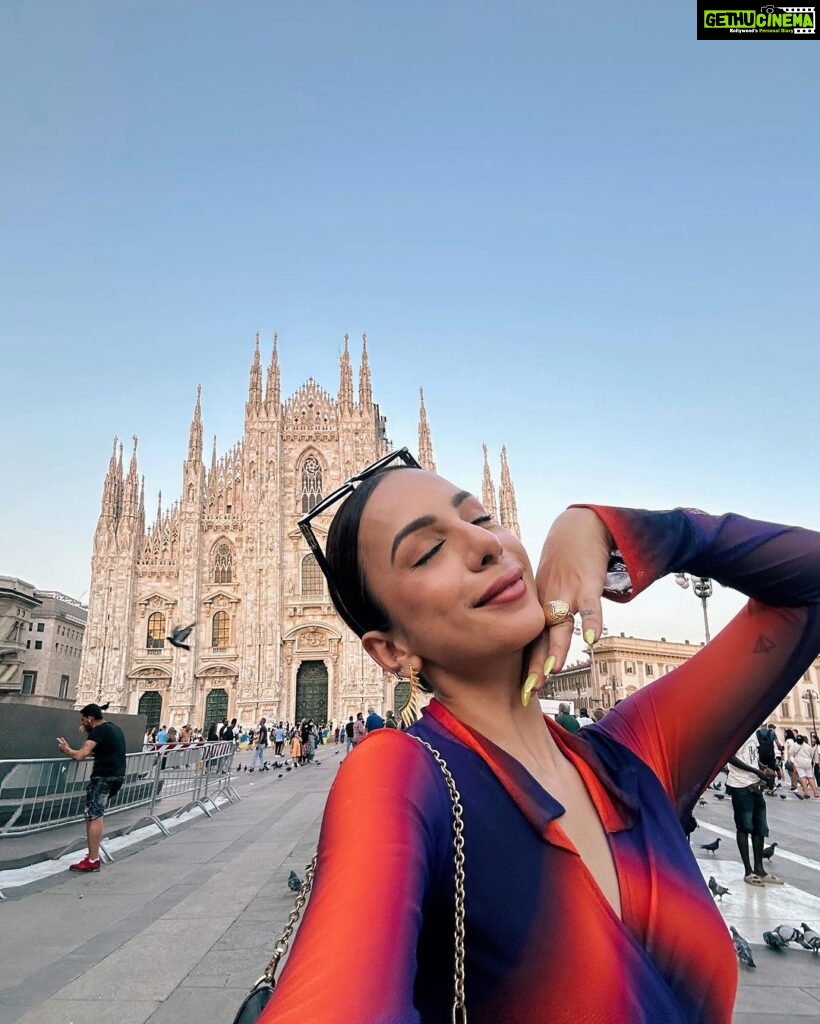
[573, 568]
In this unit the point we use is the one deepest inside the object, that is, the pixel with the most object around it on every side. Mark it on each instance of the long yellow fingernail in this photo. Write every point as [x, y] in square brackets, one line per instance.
[527, 688]
[589, 636]
[549, 664]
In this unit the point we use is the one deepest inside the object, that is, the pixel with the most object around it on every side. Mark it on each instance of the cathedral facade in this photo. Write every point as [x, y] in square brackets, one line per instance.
[228, 556]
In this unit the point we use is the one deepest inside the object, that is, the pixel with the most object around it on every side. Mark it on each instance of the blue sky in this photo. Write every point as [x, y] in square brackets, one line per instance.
[572, 217]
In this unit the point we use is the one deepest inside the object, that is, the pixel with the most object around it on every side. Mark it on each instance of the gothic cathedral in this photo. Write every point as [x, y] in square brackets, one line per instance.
[229, 557]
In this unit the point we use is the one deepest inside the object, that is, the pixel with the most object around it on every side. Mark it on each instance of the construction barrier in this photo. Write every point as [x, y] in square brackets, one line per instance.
[48, 792]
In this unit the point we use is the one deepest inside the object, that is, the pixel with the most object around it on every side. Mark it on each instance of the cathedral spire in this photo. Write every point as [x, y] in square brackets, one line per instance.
[119, 484]
[365, 389]
[131, 496]
[488, 499]
[109, 498]
[425, 441]
[506, 497]
[255, 387]
[213, 457]
[345, 379]
[195, 436]
[141, 509]
[272, 394]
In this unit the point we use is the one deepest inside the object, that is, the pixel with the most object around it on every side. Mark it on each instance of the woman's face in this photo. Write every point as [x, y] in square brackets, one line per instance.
[457, 587]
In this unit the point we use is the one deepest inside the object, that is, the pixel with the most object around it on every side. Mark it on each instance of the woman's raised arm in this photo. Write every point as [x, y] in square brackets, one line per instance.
[385, 830]
[687, 724]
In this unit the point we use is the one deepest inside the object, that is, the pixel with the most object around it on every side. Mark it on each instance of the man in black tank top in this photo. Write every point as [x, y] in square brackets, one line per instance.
[106, 743]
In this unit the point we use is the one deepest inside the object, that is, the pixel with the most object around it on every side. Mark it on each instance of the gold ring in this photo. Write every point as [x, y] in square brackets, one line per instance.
[556, 612]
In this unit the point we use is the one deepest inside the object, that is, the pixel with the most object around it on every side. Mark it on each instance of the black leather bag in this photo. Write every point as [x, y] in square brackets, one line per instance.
[254, 1003]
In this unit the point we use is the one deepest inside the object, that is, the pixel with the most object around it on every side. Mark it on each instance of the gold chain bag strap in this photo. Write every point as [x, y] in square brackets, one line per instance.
[256, 1000]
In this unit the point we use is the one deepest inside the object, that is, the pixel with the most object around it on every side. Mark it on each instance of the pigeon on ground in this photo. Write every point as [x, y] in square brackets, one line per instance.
[782, 796]
[742, 948]
[288, 768]
[711, 847]
[702, 802]
[788, 933]
[294, 882]
[773, 940]
[280, 776]
[811, 938]
[720, 796]
[180, 635]
[717, 785]
[718, 891]
[768, 851]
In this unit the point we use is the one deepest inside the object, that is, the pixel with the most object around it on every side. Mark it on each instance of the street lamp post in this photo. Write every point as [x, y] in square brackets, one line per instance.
[812, 697]
[702, 589]
[593, 668]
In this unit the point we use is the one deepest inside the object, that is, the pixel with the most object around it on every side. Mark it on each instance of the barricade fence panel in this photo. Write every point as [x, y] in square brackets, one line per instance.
[48, 792]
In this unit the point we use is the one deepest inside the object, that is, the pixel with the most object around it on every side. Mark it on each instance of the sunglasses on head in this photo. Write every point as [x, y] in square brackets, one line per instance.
[337, 496]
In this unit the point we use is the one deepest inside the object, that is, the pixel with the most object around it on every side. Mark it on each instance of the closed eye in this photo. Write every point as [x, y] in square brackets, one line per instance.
[481, 520]
[425, 558]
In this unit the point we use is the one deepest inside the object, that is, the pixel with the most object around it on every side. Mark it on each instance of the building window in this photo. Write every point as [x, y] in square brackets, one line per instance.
[64, 686]
[223, 563]
[785, 709]
[221, 631]
[649, 669]
[311, 483]
[29, 682]
[41, 626]
[28, 644]
[807, 676]
[602, 667]
[30, 626]
[156, 630]
[312, 579]
[629, 668]
[38, 645]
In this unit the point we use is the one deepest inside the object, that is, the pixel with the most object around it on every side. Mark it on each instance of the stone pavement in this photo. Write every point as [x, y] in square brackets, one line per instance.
[176, 931]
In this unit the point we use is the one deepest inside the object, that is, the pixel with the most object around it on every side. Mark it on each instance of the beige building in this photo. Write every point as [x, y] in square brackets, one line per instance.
[622, 664]
[18, 601]
[229, 557]
[43, 631]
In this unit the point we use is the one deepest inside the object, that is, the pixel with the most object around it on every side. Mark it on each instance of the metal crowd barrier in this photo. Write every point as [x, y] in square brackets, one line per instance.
[48, 792]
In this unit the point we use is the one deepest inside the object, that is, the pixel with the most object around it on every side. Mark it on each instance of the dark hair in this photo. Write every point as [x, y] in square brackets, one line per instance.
[92, 711]
[789, 734]
[342, 553]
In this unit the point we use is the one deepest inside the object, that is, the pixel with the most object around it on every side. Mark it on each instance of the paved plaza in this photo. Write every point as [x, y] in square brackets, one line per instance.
[176, 929]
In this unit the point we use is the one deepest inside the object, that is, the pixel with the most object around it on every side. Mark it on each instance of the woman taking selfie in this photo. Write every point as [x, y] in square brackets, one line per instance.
[575, 862]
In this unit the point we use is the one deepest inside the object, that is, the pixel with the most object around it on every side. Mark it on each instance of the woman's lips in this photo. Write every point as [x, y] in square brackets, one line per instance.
[510, 587]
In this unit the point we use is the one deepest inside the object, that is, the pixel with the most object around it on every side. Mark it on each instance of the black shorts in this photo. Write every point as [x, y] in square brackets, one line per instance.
[767, 761]
[98, 792]
[749, 806]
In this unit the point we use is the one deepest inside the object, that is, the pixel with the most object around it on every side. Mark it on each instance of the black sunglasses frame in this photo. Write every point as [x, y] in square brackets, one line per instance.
[342, 492]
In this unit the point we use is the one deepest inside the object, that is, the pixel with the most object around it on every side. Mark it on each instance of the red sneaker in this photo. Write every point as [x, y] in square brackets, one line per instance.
[85, 865]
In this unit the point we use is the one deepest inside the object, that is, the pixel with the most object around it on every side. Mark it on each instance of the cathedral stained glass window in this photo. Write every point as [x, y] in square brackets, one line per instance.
[221, 631]
[156, 630]
[311, 483]
[312, 578]
[223, 563]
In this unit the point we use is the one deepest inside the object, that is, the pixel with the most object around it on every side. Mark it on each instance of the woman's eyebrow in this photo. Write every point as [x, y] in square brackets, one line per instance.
[405, 531]
[458, 497]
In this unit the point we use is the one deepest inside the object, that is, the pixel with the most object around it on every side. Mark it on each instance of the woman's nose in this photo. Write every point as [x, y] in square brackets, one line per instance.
[484, 548]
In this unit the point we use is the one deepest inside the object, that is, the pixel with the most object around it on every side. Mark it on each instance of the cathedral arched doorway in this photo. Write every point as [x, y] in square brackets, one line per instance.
[312, 691]
[401, 694]
[150, 705]
[216, 707]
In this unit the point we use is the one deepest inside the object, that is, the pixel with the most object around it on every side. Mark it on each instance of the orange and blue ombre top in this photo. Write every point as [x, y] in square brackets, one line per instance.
[542, 943]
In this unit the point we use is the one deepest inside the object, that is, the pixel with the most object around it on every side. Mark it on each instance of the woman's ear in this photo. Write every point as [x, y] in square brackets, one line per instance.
[386, 651]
